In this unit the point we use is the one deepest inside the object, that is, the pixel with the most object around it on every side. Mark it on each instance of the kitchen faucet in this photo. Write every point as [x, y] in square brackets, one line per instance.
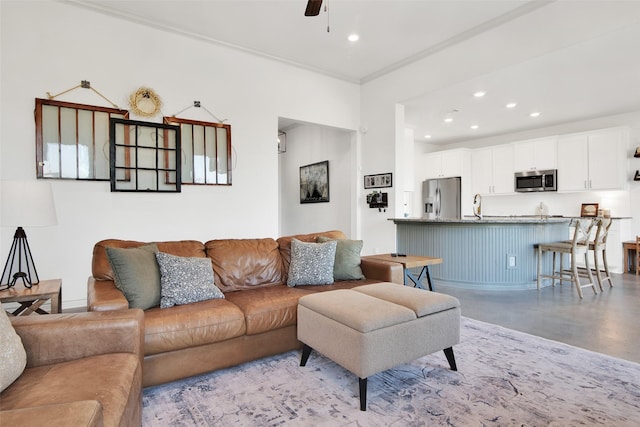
[477, 206]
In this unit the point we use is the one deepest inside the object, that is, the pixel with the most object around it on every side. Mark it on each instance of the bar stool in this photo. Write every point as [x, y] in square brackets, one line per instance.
[599, 246]
[577, 246]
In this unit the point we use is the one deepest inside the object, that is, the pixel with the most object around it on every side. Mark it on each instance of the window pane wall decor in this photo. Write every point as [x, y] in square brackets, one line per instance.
[144, 156]
[72, 140]
[206, 151]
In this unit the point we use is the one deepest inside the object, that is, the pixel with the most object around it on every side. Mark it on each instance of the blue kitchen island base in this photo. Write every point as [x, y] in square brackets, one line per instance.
[486, 254]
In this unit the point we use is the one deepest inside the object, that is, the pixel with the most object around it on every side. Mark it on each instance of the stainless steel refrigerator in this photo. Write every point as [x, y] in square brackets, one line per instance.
[441, 198]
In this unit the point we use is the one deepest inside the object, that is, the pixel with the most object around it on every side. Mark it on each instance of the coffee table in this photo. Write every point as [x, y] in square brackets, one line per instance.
[31, 299]
[411, 261]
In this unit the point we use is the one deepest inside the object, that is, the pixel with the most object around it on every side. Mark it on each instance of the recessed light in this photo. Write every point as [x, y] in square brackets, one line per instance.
[480, 94]
[448, 119]
[511, 105]
[534, 114]
[353, 37]
[474, 126]
[427, 137]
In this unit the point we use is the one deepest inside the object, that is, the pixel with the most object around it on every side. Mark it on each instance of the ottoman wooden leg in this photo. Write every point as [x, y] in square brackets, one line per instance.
[306, 351]
[451, 358]
[363, 394]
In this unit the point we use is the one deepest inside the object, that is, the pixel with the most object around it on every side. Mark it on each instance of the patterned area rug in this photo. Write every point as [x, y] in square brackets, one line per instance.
[505, 378]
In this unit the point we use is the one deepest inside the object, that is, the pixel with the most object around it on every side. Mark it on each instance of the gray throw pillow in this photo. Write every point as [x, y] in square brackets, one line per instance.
[185, 280]
[136, 274]
[311, 263]
[13, 358]
[347, 265]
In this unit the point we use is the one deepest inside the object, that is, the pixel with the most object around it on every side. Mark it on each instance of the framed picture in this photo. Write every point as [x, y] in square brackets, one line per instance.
[589, 210]
[380, 180]
[314, 182]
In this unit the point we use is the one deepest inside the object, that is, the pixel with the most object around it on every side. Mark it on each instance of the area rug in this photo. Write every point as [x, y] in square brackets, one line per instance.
[504, 378]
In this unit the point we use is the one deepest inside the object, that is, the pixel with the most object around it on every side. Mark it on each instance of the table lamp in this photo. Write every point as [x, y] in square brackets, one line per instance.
[29, 204]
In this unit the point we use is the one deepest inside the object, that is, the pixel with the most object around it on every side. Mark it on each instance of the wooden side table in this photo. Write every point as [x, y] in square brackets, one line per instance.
[31, 299]
[411, 261]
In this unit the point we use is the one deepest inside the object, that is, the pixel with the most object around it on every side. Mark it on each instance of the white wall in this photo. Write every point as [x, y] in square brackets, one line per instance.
[308, 144]
[51, 46]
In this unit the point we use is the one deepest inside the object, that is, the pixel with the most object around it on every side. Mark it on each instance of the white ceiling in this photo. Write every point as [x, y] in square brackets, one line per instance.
[590, 66]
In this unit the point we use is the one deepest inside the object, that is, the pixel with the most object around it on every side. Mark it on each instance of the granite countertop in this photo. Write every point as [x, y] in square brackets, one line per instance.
[519, 219]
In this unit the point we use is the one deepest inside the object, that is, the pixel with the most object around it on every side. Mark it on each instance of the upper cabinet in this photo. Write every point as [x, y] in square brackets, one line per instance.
[592, 160]
[445, 164]
[536, 154]
[492, 170]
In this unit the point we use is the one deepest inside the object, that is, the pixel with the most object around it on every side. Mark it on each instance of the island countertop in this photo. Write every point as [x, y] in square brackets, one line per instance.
[515, 219]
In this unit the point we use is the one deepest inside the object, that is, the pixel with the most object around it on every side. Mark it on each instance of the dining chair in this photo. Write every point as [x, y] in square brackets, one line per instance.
[578, 245]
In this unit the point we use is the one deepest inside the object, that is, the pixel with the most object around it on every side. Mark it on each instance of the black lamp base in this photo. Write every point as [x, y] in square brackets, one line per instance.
[20, 263]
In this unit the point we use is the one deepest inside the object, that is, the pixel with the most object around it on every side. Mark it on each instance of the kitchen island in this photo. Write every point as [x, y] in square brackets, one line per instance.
[492, 253]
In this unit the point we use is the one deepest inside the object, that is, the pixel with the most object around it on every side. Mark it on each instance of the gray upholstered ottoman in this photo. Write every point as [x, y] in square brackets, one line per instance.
[371, 328]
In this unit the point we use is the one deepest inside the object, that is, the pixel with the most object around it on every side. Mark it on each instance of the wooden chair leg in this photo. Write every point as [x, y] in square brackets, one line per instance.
[598, 275]
[606, 267]
[574, 274]
[591, 281]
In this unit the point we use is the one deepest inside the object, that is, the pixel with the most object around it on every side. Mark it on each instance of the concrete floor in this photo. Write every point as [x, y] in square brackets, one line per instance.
[607, 323]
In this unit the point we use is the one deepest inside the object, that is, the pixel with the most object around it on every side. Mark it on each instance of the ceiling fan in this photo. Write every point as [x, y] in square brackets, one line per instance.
[313, 8]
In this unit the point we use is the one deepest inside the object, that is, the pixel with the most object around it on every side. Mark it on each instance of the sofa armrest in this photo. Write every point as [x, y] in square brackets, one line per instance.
[57, 338]
[385, 271]
[102, 295]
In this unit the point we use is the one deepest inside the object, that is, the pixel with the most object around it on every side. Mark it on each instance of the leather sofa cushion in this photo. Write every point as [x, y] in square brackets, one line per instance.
[342, 284]
[108, 378]
[266, 309]
[83, 413]
[191, 325]
[284, 244]
[101, 268]
[240, 264]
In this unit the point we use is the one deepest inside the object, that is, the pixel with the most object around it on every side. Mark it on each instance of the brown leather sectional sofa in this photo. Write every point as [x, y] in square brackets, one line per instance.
[82, 369]
[257, 318]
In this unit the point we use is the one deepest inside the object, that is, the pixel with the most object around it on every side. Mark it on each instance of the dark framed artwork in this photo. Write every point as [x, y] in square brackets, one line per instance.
[314, 182]
[589, 210]
[380, 180]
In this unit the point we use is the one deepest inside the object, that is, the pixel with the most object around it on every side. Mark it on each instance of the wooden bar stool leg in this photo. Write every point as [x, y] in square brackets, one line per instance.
[591, 281]
[575, 278]
[539, 266]
[553, 269]
[606, 267]
[598, 275]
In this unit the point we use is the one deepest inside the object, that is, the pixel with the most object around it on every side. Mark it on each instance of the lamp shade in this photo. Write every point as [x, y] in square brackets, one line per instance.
[26, 204]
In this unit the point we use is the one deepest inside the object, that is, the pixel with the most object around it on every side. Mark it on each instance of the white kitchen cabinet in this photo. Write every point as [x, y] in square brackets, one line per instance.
[592, 160]
[492, 170]
[535, 154]
[445, 164]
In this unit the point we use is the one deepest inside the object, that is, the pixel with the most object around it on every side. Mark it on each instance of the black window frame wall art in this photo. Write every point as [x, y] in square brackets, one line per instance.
[314, 183]
[144, 156]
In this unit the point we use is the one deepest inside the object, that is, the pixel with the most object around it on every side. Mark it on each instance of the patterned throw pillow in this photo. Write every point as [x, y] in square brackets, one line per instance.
[136, 274]
[13, 358]
[347, 266]
[311, 263]
[184, 280]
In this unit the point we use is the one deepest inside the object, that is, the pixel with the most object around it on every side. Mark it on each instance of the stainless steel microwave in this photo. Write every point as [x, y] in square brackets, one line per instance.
[538, 180]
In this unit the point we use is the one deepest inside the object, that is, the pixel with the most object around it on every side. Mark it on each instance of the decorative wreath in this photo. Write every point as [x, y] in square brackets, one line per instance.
[145, 102]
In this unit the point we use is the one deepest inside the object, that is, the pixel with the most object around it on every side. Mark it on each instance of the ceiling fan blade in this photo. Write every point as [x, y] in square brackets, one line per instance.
[313, 8]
